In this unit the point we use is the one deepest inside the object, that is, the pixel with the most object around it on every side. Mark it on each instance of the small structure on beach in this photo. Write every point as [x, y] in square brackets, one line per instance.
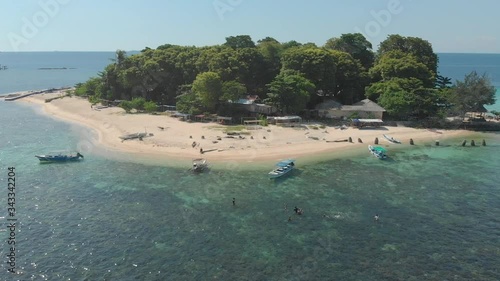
[250, 104]
[224, 120]
[181, 116]
[286, 121]
[362, 123]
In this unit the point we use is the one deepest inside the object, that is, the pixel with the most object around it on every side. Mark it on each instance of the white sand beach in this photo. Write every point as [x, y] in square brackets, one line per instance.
[173, 139]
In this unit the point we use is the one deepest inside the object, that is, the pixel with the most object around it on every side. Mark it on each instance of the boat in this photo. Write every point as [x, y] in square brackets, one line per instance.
[59, 157]
[133, 136]
[282, 168]
[391, 139]
[199, 165]
[378, 152]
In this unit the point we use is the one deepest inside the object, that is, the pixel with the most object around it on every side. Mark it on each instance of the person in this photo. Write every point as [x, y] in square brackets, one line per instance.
[234, 201]
[201, 150]
[376, 217]
[295, 209]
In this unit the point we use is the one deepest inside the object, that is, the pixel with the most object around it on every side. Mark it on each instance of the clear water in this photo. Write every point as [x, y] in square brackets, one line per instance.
[100, 219]
[103, 219]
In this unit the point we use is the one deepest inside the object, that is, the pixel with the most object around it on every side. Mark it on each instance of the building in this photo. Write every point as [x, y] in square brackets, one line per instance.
[249, 104]
[362, 109]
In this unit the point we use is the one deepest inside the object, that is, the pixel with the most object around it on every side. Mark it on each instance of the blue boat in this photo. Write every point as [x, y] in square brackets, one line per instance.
[282, 168]
[59, 157]
[378, 152]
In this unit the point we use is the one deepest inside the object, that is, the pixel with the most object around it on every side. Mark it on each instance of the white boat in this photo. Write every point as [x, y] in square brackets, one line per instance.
[199, 165]
[378, 152]
[282, 168]
[391, 139]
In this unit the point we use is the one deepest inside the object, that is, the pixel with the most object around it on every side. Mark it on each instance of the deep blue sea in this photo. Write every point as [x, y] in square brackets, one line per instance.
[105, 219]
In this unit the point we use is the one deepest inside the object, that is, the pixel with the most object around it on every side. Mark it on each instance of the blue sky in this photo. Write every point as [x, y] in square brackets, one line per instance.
[91, 25]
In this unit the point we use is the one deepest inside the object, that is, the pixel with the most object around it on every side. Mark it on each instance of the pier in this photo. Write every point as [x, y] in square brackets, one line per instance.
[13, 97]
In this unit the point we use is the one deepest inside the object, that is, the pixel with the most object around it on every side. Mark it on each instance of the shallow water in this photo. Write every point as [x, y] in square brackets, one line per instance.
[102, 219]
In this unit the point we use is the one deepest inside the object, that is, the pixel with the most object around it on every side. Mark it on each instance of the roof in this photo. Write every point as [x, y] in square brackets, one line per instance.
[364, 105]
[368, 120]
[329, 104]
[285, 118]
[244, 101]
[249, 99]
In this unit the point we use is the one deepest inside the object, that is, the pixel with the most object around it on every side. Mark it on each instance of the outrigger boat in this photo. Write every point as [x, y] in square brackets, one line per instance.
[391, 139]
[378, 152]
[282, 168]
[199, 165]
[59, 157]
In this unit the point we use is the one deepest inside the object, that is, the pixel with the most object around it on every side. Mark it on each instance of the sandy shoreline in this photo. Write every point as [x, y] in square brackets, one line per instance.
[269, 144]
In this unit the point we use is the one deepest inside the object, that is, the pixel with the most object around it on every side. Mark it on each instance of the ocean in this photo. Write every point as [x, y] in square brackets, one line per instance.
[109, 219]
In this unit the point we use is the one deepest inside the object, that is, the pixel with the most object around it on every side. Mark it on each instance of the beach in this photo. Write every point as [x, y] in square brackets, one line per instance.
[168, 137]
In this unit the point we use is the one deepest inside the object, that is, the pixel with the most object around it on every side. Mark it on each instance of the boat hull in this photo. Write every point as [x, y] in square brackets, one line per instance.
[282, 168]
[276, 174]
[391, 139]
[59, 158]
[377, 153]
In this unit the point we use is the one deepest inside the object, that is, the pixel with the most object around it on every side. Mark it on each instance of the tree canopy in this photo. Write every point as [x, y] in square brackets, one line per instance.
[471, 94]
[401, 76]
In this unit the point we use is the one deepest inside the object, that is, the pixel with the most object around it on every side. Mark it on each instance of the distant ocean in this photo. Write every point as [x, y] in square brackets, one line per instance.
[105, 219]
[456, 66]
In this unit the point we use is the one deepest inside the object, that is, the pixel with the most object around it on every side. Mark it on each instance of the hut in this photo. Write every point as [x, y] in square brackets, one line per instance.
[362, 109]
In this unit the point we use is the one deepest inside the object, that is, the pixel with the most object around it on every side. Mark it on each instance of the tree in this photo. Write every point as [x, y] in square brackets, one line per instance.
[208, 88]
[126, 105]
[419, 48]
[240, 41]
[150, 106]
[443, 82]
[138, 103]
[396, 64]
[268, 40]
[354, 44]
[405, 98]
[317, 65]
[351, 78]
[232, 90]
[290, 92]
[471, 94]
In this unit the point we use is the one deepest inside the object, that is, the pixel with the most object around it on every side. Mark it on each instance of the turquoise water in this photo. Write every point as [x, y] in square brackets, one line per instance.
[104, 219]
[100, 219]
[456, 66]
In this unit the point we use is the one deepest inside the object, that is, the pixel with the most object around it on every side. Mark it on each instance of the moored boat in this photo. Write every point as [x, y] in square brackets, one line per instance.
[378, 152]
[199, 165]
[59, 157]
[391, 139]
[282, 168]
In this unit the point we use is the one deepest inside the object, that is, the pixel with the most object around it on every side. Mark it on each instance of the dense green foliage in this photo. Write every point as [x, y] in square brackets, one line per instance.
[471, 94]
[401, 76]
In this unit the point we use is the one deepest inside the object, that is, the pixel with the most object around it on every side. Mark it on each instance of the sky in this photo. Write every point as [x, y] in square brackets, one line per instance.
[451, 26]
